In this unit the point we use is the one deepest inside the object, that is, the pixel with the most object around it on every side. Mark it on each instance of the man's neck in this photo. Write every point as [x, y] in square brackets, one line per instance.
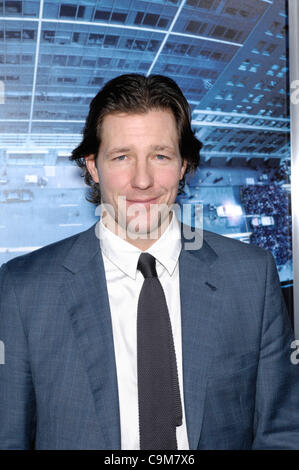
[143, 242]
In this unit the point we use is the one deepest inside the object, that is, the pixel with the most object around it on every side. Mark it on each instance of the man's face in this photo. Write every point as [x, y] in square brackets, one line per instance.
[138, 159]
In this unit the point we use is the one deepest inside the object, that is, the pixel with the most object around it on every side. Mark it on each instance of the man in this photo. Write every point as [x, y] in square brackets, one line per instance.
[93, 335]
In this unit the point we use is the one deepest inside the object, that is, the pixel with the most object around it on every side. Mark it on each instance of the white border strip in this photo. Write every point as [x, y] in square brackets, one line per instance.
[294, 109]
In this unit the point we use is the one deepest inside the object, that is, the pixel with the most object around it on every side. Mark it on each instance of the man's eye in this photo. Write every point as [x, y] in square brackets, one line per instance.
[162, 157]
[120, 158]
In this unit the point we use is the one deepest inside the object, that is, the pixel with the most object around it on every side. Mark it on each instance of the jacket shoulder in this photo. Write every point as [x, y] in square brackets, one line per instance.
[226, 246]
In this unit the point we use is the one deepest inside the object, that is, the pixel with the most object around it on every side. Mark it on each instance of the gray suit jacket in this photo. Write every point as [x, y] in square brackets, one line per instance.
[58, 386]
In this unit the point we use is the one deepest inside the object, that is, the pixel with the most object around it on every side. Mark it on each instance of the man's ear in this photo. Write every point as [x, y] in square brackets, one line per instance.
[183, 168]
[91, 166]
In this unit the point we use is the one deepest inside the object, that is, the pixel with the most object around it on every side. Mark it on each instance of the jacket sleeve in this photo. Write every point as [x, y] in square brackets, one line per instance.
[17, 402]
[276, 417]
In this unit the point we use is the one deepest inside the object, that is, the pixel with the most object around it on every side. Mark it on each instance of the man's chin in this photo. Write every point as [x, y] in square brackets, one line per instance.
[145, 231]
[150, 229]
[141, 224]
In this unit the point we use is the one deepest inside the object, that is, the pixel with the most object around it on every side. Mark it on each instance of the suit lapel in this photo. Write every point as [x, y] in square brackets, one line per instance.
[87, 300]
[201, 293]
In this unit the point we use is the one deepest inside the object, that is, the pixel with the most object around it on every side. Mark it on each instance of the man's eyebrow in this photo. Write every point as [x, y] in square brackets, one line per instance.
[122, 150]
[163, 147]
[118, 150]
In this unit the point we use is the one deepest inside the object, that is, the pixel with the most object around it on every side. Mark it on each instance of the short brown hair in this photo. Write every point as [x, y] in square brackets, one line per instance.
[135, 93]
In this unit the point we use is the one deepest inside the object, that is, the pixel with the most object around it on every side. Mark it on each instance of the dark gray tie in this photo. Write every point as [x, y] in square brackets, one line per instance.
[160, 409]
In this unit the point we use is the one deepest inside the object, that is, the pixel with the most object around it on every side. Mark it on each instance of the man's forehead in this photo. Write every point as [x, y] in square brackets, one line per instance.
[136, 115]
[116, 126]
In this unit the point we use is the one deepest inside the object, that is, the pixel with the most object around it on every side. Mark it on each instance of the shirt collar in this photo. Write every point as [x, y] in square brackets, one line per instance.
[125, 256]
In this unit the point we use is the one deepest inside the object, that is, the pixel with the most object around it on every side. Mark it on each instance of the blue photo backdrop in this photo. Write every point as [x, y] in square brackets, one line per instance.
[230, 58]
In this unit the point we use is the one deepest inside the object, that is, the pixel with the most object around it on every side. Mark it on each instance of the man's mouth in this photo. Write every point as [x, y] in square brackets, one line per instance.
[142, 201]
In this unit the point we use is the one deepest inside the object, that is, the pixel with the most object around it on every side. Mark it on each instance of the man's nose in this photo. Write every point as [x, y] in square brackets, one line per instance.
[142, 175]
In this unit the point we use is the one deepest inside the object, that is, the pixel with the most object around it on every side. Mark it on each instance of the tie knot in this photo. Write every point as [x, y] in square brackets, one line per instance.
[147, 265]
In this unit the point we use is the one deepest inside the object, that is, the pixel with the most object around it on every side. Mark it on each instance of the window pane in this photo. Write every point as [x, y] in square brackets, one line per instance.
[163, 22]
[13, 34]
[102, 15]
[13, 7]
[111, 40]
[119, 17]
[150, 19]
[139, 17]
[68, 10]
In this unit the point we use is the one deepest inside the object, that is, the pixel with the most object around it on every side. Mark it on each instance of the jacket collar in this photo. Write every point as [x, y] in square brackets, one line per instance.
[87, 246]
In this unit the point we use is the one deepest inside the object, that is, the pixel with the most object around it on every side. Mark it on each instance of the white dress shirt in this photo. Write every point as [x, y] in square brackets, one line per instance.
[124, 283]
